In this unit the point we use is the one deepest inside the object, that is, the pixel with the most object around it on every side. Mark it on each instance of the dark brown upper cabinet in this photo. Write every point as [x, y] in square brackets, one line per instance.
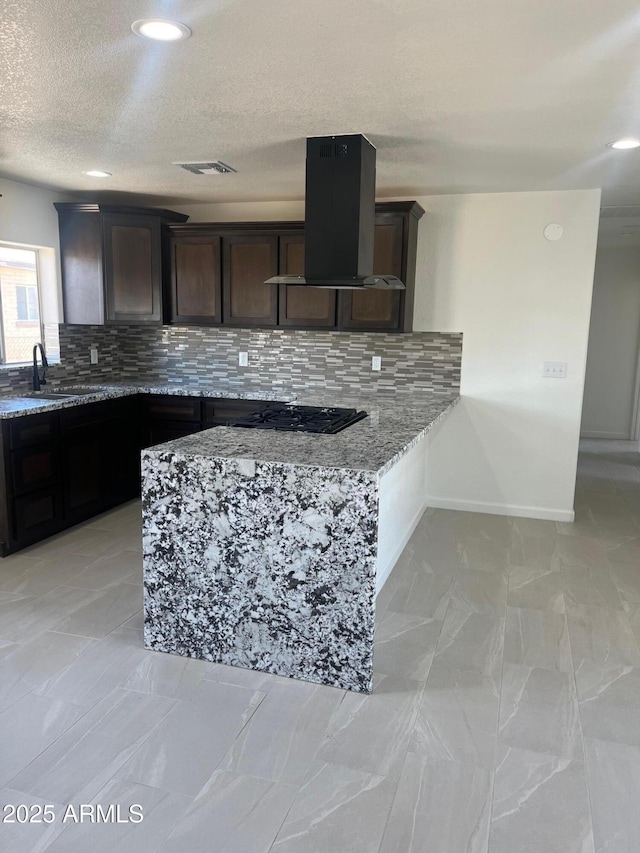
[196, 280]
[394, 251]
[250, 252]
[111, 259]
[247, 261]
[302, 307]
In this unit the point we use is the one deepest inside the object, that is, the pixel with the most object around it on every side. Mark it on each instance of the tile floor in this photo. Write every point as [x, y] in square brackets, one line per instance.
[505, 718]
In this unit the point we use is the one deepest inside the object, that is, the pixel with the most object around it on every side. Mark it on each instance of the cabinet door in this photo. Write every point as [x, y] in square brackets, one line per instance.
[34, 468]
[83, 472]
[81, 263]
[310, 307]
[132, 268]
[196, 295]
[35, 516]
[247, 262]
[378, 310]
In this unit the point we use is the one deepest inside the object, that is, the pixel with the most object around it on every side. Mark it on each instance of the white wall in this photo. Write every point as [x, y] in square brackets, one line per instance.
[28, 217]
[485, 269]
[612, 358]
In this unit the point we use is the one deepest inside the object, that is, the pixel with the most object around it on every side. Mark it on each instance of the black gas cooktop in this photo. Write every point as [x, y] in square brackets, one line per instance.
[301, 419]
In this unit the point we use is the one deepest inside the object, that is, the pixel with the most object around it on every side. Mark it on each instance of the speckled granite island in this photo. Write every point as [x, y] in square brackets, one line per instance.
[265, 549]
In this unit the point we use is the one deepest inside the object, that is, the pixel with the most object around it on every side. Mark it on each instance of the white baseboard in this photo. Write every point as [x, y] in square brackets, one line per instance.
[383, 572]
[544, 513]
[617, 436]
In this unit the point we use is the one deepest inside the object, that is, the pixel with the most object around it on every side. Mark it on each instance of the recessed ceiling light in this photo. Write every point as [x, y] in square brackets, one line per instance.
[97, 173]
[624, 144]
[160, 29]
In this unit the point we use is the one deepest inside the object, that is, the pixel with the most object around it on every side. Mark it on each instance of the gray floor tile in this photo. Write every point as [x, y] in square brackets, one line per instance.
[22, 620]
[613, 775]
[440, 806]
[435, 555]
[106, 610]
[540, 805]
[405, 645]
[241, 813]
[531, 527]
[107, 571]
[37, 577]
[29, 837]
[536, 589]
[537, 638]
[372, 733]
[539, 711]
[32, 664]
[445, 524]
[534, 551]
[182, 753]
[30, 726]
[285, 732]
[490, 528]
[457, 717]
[101, 667]
[471, 641]
[240, 677]
[337, 808]
[479, 592]
[601, 636]
[90, 752]
[590, 586]
[609, 698]
[82, 711]
[581, 551]
[627, 580]
[423, 592]
[485, 555]
[160, 811]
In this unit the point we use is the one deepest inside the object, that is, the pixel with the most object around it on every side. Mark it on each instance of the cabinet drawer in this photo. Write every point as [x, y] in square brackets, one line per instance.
[37, 515]
[168, 408]
[217, 412]
[34, 468]
[33, 429]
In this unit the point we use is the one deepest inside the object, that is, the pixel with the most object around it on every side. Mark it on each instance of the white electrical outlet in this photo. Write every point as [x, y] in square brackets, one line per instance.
[243, 359]
[554, 370]
[376, 362]
[93, 355]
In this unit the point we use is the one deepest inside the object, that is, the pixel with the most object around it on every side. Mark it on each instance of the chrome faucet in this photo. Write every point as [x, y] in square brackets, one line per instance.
[38, 380]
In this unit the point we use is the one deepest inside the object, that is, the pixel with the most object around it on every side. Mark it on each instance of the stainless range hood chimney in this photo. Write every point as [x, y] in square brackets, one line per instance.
[340, 217]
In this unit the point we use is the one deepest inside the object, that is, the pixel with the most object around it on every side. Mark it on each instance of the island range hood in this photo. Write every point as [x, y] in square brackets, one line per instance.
[340, 217]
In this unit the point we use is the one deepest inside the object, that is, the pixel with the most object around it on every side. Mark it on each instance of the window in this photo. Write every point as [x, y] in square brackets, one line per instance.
[21, 326]
[27, 299]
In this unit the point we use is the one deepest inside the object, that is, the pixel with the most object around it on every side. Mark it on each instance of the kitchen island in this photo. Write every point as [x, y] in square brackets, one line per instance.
[265, 549]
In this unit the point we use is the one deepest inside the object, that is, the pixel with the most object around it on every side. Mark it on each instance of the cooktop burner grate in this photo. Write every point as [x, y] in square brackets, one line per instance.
[327, 421]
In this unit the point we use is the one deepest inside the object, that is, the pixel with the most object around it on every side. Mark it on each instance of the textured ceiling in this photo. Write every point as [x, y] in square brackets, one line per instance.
[457, 95]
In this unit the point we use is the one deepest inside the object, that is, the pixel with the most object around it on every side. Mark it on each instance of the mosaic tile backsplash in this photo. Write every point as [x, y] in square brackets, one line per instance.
[278, 358]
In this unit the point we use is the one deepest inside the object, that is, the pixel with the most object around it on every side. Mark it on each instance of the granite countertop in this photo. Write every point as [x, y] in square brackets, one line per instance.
[14, 405]
[395, 423]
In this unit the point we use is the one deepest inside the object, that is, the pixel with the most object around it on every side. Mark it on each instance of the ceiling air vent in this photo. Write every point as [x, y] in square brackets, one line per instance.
[216, 167]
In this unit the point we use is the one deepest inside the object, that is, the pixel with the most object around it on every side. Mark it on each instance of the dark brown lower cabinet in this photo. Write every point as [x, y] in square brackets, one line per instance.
[62, 467]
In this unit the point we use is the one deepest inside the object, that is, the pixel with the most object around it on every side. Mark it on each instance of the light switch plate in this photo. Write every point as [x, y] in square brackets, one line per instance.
[93, 355]
[243, 359]
[376, 362]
